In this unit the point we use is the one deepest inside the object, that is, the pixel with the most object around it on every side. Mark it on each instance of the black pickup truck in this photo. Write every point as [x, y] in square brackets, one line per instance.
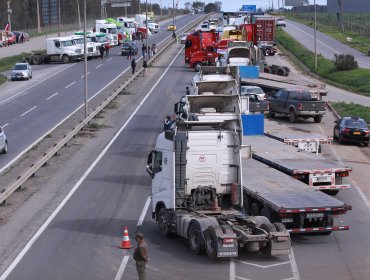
[298, 103]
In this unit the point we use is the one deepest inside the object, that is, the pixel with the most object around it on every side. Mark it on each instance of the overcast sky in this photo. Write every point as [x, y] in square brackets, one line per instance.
[235, 5]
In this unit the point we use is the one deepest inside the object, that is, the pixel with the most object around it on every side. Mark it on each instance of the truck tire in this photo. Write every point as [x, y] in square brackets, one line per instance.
[5, 149]
[46, 59]
[163, 223]
[36, 60]
[281, 71]
[292, 116]
[211, 244]
[267, 69]
[195, 238]
[280, 227]
[266, 250]
[255, 209]
[28, 59]
[270, 114]
[331, 192]
[65, 59]
[317, 119]
[197, 66]
[287, 70]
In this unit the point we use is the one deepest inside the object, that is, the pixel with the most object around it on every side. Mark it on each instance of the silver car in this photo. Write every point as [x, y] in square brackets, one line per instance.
[3, 142]
[21, 71]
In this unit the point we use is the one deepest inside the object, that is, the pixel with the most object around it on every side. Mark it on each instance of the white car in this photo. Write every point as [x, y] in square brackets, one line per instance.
[245, 90]
[183, 38]
[280, 22]
[21, 71]
[3, 142]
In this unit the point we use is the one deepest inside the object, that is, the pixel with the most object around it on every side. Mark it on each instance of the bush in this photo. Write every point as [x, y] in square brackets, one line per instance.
[345, 62]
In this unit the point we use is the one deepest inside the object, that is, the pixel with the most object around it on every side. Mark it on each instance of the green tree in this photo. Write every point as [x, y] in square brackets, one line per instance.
[211, 7]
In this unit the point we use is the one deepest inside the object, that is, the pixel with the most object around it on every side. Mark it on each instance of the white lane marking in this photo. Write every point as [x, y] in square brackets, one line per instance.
[241, 278]
[293, 265]
[98, 66]
[309, 35]
[109, 59]
[77, 185]
[122, 268]
[264, 266]
[83, 76]
[28, 111]
[70, 84]
[232, 270]
[5, 125]
[51, 96]
[1, 102]
[359, 190]
[145, 209]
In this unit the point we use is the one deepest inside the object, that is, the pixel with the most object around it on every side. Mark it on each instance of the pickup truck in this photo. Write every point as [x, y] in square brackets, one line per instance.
[294, 102]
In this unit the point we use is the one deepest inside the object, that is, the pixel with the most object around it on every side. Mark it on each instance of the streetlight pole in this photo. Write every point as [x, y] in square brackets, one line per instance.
[314, 34]
[59, 27]
[85, 63]
[38, 17]
[173, 12]
[9, 12]
[146, 29]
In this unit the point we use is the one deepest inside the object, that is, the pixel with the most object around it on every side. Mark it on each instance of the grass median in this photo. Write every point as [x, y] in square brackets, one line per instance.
[352, 109]
[356, 80]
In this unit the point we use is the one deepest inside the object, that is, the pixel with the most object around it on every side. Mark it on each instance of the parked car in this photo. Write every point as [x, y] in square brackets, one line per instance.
[183, 38]
[280, 22]
[3, 141]
[26, 37]
[127, 45]
[253, 89]
[351, 129]
[171, 27]
[21, 71]
[11, 38]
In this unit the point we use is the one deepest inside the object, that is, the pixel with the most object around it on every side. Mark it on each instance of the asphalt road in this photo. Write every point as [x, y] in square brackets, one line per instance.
[29, 110]
[326, 46]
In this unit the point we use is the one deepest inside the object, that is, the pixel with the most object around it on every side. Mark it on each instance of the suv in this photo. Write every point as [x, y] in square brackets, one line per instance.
[127, 46]
[280, 22]
[352, 129]
[21, 71]
[3, 142]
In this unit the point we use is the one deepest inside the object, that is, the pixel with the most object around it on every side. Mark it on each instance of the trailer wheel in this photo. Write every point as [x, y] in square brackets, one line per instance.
[281, 71]
[292, 116]
[266, 250]
[211, 242]
[317, 119]
[287, 70]
[195, 238]
[163, 223]
[255, 209]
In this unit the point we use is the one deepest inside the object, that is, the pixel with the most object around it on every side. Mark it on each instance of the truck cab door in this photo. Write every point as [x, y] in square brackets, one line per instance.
[282, 101]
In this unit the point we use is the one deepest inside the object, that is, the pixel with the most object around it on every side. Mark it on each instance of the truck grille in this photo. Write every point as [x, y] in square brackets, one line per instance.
[90, 49]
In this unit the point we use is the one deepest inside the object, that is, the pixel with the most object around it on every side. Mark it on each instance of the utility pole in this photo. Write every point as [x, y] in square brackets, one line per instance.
[79, 15]
[341, 15]
[9, 12]
[59, 23]
[314, 34]
[146, 31]
[85, 64]
[139, 8]
[38, 17]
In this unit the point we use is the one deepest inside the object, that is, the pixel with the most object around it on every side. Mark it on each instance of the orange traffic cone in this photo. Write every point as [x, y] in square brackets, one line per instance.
[125, 244]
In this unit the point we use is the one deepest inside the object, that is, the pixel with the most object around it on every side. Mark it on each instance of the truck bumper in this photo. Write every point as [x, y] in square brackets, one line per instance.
[310, 113]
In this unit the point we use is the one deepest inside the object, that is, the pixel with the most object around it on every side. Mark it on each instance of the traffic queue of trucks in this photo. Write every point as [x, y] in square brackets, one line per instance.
[223, 191]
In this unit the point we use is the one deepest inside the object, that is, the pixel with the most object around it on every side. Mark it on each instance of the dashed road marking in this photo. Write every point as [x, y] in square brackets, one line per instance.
[70, 84]
[28, 111]
[51, 96]
[98, 66]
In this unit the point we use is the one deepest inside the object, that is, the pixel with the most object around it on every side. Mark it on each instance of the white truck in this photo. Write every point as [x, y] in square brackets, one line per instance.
[240, 53]
[152, 26]
[110, 29]
[91, 47]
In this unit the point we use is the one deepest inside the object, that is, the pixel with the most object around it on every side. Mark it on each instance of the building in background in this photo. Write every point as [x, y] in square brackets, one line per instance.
[349, 6]
[49, 12]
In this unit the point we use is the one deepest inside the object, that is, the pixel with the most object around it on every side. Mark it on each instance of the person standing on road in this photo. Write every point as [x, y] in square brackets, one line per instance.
[167, 123]
[129, 53]
[143, 50]
[145, 66]
[107, 47]
[102, 50]
[133, 65]
[154, 49]
[141, 255]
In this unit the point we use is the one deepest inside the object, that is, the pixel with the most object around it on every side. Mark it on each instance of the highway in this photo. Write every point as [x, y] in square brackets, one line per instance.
[29, 110]
[81, 238]
[326, 46]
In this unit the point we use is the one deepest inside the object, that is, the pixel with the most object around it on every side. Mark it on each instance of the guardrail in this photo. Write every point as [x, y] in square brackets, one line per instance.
[41, 161]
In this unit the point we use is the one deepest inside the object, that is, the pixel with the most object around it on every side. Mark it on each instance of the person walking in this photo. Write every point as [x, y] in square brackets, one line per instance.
[133, 65]
[145, 66]
[102, 50]
[167, 123]
[141, 255]
[154, 49]
[143, 50]
[107, 47]
[129, 53]
[22, 38]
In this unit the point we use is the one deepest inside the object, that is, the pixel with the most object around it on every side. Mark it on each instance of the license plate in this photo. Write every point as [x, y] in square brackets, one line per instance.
[315, 215]
[322, 179]
[228, 245]
[356, 133]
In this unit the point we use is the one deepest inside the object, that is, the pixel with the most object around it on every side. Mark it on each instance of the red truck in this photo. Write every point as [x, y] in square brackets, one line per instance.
[198, 41]
[201, 58]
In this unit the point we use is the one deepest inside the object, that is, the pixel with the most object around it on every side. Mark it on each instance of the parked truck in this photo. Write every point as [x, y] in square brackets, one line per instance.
[317, 171]
[196, 190]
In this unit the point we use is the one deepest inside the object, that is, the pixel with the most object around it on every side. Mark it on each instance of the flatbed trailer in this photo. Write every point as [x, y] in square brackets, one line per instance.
[318, 172]
[271, 193]
[301, 139]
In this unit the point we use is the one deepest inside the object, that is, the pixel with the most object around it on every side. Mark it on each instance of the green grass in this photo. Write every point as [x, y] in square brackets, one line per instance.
[351, 109]
[354, 80]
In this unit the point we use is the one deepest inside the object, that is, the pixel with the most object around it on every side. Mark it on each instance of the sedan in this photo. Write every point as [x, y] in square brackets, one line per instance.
[129, 46]
[281, 22]
[171, 27]
[351, 129]
[21, 71]
[3, 141]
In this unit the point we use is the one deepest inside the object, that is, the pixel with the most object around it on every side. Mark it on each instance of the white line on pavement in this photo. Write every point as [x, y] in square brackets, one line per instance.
[83, 76]
[109, 59]
[15, 95]
[28, 111]
[51, 96]
[70, 84]
[122, 268]
[293, 265]
[5, 125]
[84, 176]
[232, 270]
[145, 209]
[98, 66]
[241, 278]
[264, 266]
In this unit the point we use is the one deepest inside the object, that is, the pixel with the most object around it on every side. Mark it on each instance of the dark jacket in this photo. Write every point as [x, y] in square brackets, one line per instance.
[133, 63]
[145, 64]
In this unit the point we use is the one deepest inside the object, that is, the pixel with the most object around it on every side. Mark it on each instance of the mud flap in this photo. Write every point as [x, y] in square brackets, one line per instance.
[280, 243]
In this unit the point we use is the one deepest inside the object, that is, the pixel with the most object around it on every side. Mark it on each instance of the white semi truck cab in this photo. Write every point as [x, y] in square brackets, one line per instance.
[63, 49]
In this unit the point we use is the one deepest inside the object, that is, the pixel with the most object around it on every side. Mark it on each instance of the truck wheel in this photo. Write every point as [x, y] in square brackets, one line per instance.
[36, 60]
[292, 116]
[280, 227]
[287, 70]
[28, 59]
[197, 66]
[195, 238]
[65, 59]
[163, 223]
[317, 119]
[281, 71]
[211, 245]
[270, 114]
[267, 69]
[46, 59]
[266, 250]
[5, 149]
[255, 209]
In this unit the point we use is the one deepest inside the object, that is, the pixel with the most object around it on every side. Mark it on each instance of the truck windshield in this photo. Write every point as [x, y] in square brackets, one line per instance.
[68, 43]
